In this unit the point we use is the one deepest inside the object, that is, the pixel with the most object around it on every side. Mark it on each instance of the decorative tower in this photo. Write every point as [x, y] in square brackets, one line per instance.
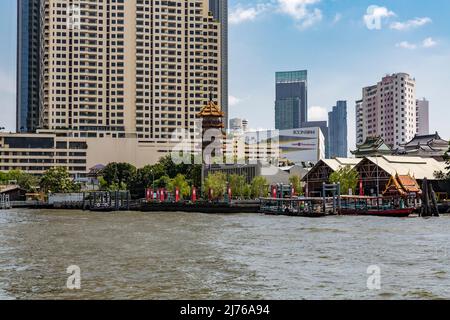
[213, 132]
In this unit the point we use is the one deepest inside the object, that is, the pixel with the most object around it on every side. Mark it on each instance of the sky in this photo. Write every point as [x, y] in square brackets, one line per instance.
[344, 44]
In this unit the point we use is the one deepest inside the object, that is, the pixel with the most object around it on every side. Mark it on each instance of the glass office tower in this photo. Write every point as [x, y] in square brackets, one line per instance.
[291, 105]
[28, 65]
[337, 133]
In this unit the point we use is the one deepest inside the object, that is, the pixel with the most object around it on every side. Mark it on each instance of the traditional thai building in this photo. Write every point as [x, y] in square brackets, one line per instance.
[320, 173]
[372, 147]
[426, 146]
[404, 186]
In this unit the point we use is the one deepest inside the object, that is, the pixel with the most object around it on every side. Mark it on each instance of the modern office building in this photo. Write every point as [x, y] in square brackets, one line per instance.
[28, 65]
[303, 145]
[291, 105]
[423, 117]
[389, 110]
[337, 131]
[219, 9]
[128, 69]
[323, 125]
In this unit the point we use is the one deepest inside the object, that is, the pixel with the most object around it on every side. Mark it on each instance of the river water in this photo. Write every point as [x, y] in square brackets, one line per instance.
[198, 256]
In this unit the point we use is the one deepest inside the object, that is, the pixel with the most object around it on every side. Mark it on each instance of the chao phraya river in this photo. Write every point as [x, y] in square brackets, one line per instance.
[198, 256]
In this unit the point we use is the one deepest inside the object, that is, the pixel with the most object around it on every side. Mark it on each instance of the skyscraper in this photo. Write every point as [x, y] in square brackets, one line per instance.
[291, 105]
[129, 68]
[337, 133]
[219, 9]
[28, 65]
[423, 117]
[388, 110]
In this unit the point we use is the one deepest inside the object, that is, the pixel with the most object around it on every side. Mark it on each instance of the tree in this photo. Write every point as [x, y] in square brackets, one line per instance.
[25, 180]
[119, 174]
[217, 182]
[181, 183]
[347, 177]
[237, 183]
[259, 187]
[58, 180]
[297, 184]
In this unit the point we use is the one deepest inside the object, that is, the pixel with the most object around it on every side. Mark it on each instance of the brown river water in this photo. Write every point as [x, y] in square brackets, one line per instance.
[198, 256]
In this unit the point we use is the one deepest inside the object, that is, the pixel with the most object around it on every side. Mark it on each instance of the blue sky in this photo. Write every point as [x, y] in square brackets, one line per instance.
[342, 51]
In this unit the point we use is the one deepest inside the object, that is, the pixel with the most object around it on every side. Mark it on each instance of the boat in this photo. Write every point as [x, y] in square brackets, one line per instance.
[374, 206]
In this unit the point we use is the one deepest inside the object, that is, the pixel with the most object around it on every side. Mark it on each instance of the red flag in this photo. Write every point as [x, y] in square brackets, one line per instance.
[274, 192]
[211, 194]
[177, 195]
[230, 194]
[194, 194]
[361, 187]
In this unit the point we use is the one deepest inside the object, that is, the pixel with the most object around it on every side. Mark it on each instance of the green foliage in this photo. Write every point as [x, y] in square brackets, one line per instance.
[182, 184]
[118, 175]
[237, 183]
[259, 187]
[58, 180]
[297, 184]
[218, 183]
[25, 180]
[347, 177]
[247, 191]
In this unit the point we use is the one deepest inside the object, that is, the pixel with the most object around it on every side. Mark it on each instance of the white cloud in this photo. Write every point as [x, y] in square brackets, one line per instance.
[406, 45]
[301, 11]
[239, 14]
[375, 15]
[429, 43]
[410, 24]
[337, 18]
[317, 113]
[233, 101]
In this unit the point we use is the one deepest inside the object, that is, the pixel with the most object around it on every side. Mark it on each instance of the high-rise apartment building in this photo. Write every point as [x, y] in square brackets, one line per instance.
[291, 105]
[423, 117]
[389, 110]
[134, 68]
[337, 131]
[28, 65]
[359, 123]
[219, 9]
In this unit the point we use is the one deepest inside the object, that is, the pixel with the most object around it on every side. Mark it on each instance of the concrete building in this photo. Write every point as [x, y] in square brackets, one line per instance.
[389, 110]
[359, 122]
[423, 117]
[337, 131]
[28, 65]
[238, 125]
[291, 105]
[323, 125]
[36, 153]
[219, 9]
[127, 69]
[304, 145]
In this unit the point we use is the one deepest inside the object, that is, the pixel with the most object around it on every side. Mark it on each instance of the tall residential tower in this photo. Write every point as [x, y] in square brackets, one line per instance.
[219, 9]
[291, 105]
[388, 110]
[134, 68]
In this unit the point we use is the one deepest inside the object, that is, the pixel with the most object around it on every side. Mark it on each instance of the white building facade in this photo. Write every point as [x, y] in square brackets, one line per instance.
[388, 109]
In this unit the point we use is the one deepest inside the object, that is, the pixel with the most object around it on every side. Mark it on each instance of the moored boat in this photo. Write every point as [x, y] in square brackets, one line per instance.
[374, 206]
